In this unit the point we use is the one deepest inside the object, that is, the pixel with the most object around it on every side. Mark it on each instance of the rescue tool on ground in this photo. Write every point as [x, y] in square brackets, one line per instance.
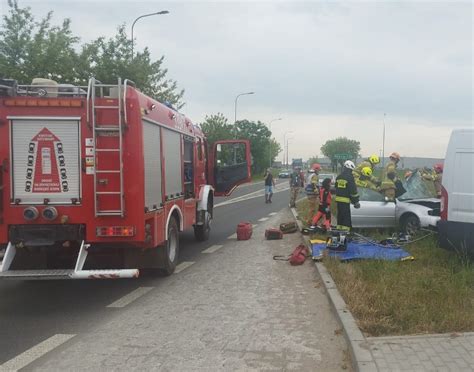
[103, 171]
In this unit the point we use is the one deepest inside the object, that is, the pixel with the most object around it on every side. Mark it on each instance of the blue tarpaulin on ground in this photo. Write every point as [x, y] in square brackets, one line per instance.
[362, 251]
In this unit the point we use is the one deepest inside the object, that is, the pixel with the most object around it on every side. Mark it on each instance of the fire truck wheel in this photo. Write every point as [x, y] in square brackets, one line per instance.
[201, 232]
[169, 253]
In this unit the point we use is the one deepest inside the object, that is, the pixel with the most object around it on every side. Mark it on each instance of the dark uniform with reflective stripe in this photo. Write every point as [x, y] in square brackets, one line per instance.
[346, 193]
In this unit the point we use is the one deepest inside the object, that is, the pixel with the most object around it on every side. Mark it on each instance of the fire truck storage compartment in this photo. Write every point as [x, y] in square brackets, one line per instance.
[172, 155]
[152, 159]
[45, 160]
[188, 166]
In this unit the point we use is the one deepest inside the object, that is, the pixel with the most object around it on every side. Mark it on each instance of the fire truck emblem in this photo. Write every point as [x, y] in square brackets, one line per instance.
[46, 170]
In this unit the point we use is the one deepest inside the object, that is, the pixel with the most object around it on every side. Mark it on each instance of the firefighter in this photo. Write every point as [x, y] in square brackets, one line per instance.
[391, 181]
[324, 209]
[311, 188]
[365, 179]
[296, 183]
[436, 176]
[370, 162]
[346, 193]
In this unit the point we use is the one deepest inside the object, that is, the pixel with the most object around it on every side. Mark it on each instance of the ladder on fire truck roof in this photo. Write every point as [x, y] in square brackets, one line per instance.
[101, 129]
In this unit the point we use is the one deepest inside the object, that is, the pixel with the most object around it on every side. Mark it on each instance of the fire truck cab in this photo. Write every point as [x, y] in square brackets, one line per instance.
[98, 181]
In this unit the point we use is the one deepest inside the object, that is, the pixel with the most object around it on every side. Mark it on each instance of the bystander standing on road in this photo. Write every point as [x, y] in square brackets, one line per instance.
[269, 185]
[296, 183]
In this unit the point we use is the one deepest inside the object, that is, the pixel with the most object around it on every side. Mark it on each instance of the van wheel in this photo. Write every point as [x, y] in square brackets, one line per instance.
[202, 232]
[411, 224]
[168, 255]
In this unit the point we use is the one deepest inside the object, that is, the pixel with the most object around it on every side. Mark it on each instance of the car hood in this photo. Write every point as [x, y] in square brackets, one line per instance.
[427, 202]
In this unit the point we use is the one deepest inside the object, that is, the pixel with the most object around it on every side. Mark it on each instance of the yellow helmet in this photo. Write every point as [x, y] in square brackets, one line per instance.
[374, 159]
[367, 171]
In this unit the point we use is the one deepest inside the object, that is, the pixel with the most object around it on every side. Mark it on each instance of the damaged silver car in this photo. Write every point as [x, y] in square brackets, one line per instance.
[415, 209]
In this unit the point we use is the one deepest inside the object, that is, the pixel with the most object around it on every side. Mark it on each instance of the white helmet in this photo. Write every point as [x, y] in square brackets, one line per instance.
[311, 171]
[349, 164]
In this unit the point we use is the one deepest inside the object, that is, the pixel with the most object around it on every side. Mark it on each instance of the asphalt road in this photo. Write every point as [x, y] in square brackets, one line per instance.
[33, 311]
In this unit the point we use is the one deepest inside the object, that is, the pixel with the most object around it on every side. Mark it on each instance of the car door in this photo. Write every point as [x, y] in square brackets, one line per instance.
[374, 211]
[229, 165]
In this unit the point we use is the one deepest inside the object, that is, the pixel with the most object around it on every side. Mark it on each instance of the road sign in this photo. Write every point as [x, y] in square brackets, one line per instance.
[342, 156]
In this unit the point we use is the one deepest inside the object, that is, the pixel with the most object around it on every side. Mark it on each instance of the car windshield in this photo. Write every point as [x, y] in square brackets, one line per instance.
[416, 188]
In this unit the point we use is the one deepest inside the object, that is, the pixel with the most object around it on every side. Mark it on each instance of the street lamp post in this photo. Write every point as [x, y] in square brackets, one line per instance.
[284, 146]
[235, 109]
[288, 151]
[270, 143]
[383, 143]
[143, 16]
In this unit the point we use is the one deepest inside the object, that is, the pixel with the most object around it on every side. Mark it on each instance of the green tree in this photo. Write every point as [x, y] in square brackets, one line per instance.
[260, 138]
[217, 127]
[340, 145]
[30, 48]
[108, 59]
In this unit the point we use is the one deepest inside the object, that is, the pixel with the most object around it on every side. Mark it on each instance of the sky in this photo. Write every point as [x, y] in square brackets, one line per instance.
[326, 68]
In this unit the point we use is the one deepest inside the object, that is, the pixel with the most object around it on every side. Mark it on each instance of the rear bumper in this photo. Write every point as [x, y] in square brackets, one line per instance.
[34, 235]
[456, 236]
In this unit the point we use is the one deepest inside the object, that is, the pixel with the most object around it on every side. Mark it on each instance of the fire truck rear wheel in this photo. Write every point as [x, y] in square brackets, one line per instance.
[202, 232]
[168, 254]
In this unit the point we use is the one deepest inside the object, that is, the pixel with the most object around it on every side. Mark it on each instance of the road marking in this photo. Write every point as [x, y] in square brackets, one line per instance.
[129, 298]
[183, 265]
[36, 352]
[263, 219]
[272, 214]
[252, 195]
[212, 249]
[233, 236]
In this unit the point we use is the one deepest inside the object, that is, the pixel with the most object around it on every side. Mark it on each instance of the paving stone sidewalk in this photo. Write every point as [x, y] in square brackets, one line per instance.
[453, 352]
[236, 309]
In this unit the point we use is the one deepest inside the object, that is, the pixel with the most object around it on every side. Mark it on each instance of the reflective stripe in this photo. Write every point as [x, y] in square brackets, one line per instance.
[354, 195]
[343, 199]
[343, 227]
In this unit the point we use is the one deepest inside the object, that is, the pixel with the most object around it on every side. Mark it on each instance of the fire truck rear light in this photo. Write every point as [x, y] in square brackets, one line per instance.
[30, 213]
[115, 231]
[45, 102]
[50, 213]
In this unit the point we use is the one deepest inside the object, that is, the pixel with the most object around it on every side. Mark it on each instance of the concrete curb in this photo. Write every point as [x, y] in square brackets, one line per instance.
[362, 359]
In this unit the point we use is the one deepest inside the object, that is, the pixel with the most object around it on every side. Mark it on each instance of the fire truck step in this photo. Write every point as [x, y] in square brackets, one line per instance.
[106, 107]
[109, 213]
[108, 193]
[107, 150]
[107, 171]
[108, 129]
[70, 274]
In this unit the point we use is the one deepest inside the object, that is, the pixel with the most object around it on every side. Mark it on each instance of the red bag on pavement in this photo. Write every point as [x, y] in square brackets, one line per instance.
[298, 257]
[273, 234]
[244, 231]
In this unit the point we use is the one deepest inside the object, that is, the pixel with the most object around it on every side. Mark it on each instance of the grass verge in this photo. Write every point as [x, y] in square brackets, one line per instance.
[433, 294]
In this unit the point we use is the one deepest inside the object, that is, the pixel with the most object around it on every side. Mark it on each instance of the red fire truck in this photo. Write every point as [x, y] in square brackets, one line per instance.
[97, 181]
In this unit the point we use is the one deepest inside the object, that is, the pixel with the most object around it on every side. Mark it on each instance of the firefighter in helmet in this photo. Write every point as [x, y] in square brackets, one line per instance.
[370, 162]
[389, 184]
[346, 193]
[365, 179]
[311, 188]
[436, 176]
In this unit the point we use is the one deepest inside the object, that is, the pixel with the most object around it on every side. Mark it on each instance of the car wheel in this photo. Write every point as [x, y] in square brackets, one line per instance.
[410, 224]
